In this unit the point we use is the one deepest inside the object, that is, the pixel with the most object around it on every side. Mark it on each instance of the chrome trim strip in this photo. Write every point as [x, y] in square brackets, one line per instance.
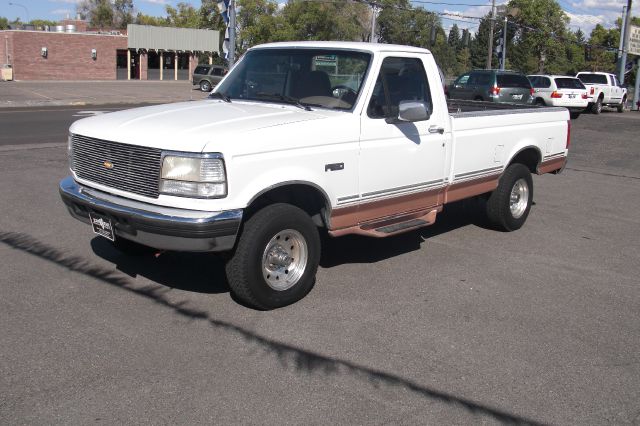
[407, 187]
[477, 172]
[554, 156]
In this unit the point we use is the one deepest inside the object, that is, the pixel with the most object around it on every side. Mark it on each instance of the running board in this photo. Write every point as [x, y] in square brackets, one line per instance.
[413, 223]
[391, 226]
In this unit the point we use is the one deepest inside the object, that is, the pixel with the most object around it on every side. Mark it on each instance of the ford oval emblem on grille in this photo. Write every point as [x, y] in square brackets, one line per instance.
[108, 165]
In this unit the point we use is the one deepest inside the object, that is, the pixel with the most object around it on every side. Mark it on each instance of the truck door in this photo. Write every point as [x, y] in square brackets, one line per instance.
[402, 164]
[615, 93]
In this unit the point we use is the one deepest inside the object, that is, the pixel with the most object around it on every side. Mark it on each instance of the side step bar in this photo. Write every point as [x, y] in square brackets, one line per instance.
[391, 226]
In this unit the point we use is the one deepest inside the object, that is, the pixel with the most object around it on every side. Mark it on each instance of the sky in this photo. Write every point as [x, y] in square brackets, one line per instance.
[584, 14]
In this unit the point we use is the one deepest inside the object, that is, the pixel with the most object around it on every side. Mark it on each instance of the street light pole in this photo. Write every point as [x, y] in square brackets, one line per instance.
[504, 44]
[25, 9]
[625, 44]
[621, 65]
[493, 19]
[373, 24]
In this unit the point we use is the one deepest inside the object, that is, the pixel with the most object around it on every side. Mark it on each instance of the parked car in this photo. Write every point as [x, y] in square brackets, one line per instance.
[207, 76]
[560, 91]
[492, 86]
[604, 89]
[274, 155]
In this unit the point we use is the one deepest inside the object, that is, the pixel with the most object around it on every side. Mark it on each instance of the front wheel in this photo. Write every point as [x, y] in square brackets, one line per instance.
[205, 86]
[509, 205]
[276, 259]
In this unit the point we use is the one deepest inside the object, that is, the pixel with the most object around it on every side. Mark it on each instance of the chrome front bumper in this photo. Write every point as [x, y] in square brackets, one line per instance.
[154, 226]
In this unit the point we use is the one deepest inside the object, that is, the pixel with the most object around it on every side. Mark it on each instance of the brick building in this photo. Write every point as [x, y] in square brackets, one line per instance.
[146, 53]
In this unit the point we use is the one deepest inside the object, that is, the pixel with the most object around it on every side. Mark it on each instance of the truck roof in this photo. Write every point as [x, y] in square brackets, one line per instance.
[351, 45]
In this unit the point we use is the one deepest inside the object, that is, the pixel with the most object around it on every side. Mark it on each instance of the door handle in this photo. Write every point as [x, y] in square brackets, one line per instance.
[436, 129]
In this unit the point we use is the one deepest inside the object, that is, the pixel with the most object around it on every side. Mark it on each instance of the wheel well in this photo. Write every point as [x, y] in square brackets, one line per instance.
[530, 157]
[601, 96]
[304, 196]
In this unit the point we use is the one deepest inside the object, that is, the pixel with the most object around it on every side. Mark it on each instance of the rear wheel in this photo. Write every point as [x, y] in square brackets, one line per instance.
[509, 205]
[622, 104]
[596, 108]
[205, 86]
[276, 259]
[540, 102]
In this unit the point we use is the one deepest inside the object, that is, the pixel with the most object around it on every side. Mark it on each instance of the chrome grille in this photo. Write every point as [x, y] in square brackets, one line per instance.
[134, 169]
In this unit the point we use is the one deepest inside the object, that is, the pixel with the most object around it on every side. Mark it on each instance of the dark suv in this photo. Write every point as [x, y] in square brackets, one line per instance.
[207, 76]
[492, 86]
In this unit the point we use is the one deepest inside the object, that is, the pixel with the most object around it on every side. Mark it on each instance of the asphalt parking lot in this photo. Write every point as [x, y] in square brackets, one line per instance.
[454, 324]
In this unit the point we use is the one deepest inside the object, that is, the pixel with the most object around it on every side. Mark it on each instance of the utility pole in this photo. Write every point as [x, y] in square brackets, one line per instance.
[625, 44]
[493, 20]
[504, 44]
[621, 65]
[232, 33]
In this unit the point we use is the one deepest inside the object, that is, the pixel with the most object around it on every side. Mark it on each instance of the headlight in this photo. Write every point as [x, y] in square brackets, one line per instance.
[193, 175]
[72, 165]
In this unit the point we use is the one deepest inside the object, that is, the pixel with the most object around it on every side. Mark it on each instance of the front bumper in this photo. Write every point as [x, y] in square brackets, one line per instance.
[154, 226]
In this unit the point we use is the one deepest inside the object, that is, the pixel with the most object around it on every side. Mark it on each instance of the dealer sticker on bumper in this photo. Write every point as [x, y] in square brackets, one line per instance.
[102, 226]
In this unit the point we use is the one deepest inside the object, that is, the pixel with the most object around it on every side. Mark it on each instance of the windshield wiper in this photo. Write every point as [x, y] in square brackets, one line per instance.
[219, 95]
[283, 98]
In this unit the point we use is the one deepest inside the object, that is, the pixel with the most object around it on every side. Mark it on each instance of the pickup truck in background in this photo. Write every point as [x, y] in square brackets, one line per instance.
[604, 89]
[284, 148]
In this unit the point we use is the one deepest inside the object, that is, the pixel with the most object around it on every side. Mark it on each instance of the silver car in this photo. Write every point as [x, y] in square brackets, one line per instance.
[492, 86]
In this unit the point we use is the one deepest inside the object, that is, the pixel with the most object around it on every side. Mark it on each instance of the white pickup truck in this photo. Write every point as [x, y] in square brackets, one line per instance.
[604, 89]
[353, 138]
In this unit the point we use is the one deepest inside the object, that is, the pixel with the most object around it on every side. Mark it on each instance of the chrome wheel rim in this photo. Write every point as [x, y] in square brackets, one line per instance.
[519, 198]
[284, 259]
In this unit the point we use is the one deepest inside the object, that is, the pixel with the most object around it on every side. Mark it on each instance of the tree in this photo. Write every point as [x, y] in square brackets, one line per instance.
[324, 20]
[4, 23]
[99, 13]
[142, 19]
[184, 16]
[122, 13]
[454, 37]
[541, 27]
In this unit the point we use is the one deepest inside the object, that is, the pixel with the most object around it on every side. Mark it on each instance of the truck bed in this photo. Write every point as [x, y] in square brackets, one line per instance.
[460, 106]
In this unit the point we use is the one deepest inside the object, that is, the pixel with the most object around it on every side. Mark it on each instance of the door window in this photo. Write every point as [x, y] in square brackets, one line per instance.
[400, 79]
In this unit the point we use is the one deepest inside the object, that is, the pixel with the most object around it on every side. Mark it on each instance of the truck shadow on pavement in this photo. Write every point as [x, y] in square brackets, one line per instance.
[195, 272]
[287, 356]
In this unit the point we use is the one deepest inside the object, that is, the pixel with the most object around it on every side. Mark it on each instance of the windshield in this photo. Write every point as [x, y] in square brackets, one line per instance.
[308, 77]
[593, 78]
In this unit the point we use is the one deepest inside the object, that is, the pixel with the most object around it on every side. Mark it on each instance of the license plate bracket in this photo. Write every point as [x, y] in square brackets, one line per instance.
[102, 226]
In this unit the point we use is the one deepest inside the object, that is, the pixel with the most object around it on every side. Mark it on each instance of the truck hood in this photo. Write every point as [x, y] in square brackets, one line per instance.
[190, 126]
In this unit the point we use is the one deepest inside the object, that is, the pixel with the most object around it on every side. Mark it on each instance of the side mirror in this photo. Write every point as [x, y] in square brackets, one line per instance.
[412, 111]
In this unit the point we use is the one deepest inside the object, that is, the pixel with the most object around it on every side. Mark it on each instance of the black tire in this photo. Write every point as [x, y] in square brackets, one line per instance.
[596, 108]
[622, 104]
[574, 115]
[540, 102]
[205, 86]
[249, 267]
[499, 211]
[131, 247]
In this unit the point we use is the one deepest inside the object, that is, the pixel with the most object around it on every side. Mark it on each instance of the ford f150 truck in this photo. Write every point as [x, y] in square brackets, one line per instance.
[353, 138]
[603, 89]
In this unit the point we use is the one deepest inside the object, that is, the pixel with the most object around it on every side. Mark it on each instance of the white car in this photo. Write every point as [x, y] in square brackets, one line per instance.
[560, 91]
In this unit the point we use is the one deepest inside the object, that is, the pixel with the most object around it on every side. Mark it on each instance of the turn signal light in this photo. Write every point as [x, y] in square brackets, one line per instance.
[556, 95]
[585, 96]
